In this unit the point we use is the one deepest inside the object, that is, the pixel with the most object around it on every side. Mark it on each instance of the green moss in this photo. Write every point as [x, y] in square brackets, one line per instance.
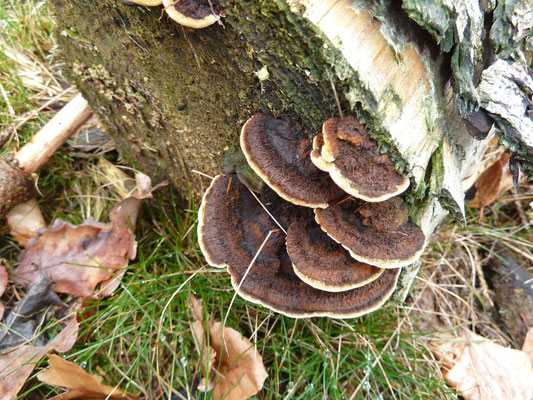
[187, 92]
[435, 176]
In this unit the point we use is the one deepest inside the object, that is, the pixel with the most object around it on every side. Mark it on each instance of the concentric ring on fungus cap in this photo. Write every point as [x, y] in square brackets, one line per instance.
[232, 227]
[324, 264]
[195, 14]
[354, 162]
[374, 233]
[278, 151]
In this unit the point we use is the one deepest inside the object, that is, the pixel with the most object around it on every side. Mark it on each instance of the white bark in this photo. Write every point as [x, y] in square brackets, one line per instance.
[425, 128]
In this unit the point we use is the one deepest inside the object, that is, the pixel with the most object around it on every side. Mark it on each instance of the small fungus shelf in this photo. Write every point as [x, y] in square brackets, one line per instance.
[196, 14]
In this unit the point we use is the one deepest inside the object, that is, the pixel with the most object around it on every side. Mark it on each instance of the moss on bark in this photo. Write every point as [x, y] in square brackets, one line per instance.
[173, 98]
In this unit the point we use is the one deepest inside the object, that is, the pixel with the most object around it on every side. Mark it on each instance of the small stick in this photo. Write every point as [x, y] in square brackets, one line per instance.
[336, 97]
[16, 186]
[34, 154]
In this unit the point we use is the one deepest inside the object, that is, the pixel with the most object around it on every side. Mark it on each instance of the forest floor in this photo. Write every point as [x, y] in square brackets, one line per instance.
[140, 337]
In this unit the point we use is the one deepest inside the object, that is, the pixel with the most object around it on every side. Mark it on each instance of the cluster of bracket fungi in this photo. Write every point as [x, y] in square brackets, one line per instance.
[195, 14]
[326, 235]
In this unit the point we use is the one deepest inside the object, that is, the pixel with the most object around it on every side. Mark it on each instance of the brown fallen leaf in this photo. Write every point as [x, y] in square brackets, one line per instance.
[507, 182]
[25, 220]
[488, 186]
[232, 367]
[492, 183]
[79, 257]
[76, 258]
[483, 370]
[125, 215]
[17, 365]
[79, 384]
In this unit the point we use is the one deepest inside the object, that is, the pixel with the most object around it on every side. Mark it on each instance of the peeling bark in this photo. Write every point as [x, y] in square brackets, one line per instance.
[492, 50]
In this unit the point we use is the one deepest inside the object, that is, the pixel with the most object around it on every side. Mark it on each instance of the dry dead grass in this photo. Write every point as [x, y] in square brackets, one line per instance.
[453, 290]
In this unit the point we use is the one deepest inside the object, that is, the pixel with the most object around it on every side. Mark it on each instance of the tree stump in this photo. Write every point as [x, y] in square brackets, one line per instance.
[174, 99]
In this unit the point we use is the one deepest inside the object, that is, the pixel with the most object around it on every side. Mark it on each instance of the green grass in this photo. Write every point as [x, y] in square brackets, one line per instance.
[28, 66]
[134, 342]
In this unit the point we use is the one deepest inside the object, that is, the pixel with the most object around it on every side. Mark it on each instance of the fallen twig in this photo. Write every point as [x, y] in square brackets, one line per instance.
[16, 186]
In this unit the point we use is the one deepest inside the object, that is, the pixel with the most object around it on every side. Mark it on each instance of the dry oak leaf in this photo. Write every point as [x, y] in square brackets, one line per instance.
[76, 257]
[23, 325]
[80, 384]
[483, 370]
[17, 365]
[233, 366]
[79, 257]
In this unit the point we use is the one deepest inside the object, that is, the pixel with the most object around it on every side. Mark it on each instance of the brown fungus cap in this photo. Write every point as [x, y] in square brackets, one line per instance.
[233, 226]
[316, 153]
[196, 14]
[323, 263]
[385, 216]
[279, 153]
[374, 233]
[354, 162]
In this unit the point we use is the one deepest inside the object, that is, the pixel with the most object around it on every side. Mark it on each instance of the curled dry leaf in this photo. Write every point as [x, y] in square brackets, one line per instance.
[24, 323]
[492, 183]
[483, 370]
[488, 186]
[80, 384]
[17, 365]
[79, 257]
[233, 367]
[91, 136]
[125, 215]
[24, 220]
[114, 178]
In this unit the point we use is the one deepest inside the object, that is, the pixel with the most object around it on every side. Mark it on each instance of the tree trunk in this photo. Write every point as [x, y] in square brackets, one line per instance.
[174, 99]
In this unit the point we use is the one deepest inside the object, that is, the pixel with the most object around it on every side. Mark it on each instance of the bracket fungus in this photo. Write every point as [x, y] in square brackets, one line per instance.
[375, 233]
[278, 151]
[354, 162]
[234, 230]
[195, 14]
[341, 259]
[324, 264]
